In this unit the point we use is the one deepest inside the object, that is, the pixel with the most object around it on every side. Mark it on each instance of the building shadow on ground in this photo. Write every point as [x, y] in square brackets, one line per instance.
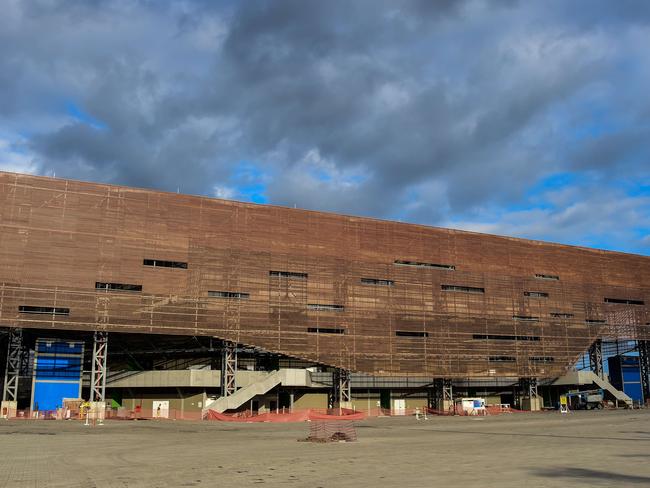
[592, 474]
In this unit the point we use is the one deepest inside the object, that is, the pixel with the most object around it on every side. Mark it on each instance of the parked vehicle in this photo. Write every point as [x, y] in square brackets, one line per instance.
[586, 400]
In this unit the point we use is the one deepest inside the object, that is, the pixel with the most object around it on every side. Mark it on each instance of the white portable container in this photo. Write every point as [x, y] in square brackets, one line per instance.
[471, 406]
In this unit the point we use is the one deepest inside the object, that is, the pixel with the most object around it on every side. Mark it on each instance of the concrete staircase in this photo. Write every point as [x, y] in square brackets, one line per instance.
[285, 377]
[579, 378]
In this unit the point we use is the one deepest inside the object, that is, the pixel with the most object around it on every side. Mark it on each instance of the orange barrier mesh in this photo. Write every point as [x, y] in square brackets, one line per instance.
[312, 414]
[338, 431]
[296, 416]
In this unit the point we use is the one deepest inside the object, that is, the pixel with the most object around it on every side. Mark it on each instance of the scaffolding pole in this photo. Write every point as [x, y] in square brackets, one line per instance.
[644, 367]
[228, 368]
[99, 367]
[15, 355]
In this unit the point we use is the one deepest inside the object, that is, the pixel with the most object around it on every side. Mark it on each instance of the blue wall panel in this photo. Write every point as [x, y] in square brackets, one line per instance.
[631, 375]
[58, 367]
[49, 396]
[634, 391]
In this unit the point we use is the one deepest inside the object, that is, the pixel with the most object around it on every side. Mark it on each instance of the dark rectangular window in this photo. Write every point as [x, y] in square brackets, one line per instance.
[158, 263]
[536, 294]
[561, 315]
[44, 310]
[525, 318]
[373, 281]
[288, 274]
[325, 307]
[117, 287]
[462, 289]
[502, 359]
[541, 359]
[408, 333]
[237, 295]
[417, 264]
[547, 277]
[596, 321]
[624, 301]
[500, 337]
[322, 330]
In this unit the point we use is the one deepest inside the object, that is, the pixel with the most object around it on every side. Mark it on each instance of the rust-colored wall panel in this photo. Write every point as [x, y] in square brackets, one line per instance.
[59, 237]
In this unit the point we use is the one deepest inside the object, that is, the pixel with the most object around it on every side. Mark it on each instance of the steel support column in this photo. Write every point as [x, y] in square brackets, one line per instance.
[228, 368]
[341, 393]
[528, 390]
[596, 357]
[15, 354]
[644, 366]
[99, 368]
[443, 395]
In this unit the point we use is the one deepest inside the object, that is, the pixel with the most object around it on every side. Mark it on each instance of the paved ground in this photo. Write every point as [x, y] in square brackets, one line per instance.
[581, 449]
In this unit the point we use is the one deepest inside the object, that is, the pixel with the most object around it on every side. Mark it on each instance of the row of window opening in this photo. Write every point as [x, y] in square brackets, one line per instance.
[159, 263]
[512, 359]
[30, 309]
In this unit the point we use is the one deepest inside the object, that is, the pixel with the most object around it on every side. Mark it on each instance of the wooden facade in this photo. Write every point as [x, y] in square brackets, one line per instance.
[366, 295]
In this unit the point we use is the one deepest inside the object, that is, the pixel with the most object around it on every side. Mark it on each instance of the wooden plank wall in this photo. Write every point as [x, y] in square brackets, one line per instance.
[59, 237]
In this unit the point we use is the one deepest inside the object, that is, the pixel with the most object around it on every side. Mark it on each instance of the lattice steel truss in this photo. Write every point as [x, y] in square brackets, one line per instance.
[99, 369]
[341, 392]
[526, 388]
[228, 368]
[596, 358]
[15, 355]
[442, 394]
[644, 364]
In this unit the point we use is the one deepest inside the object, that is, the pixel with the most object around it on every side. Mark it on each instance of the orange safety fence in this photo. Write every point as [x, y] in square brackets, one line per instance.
[282, 415]
[295, 416]
[336, 431]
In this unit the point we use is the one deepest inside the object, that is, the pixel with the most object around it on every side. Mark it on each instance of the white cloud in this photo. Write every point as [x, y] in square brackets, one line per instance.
[15, 159]
[224, 192]
[590, 216]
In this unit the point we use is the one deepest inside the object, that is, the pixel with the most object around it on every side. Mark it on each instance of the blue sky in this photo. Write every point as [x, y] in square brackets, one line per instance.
[498, 116]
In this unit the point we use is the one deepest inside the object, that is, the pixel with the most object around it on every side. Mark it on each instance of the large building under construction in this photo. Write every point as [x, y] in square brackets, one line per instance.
[191, 299]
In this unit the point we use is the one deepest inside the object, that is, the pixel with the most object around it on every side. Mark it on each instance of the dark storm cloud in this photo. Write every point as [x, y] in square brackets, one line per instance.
[421, 110]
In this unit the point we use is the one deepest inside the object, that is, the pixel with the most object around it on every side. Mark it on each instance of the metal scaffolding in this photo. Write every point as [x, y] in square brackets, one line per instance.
[99, 368]
[228, 368]
[644, 366]
[15, 355]
[596, 358]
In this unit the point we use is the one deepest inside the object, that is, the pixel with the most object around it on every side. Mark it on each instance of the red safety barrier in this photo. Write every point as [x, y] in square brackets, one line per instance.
[337, 431]
[282, 415]
[296, 416]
